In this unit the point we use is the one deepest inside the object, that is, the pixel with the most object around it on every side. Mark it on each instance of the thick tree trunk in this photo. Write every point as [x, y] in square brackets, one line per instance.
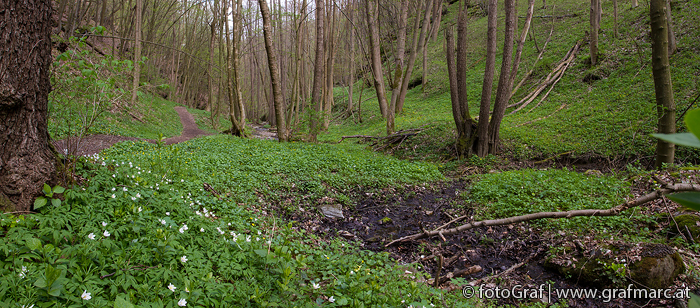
[274, 73]
[27, 160]
[465, 140]
[662, 81]
[377, 70]
[489, 70]
[317, 92]
[236, 108]
[398, 69]
[137, 54]
[504, 80]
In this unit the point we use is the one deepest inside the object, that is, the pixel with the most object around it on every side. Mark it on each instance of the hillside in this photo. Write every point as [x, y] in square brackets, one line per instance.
[182, 214]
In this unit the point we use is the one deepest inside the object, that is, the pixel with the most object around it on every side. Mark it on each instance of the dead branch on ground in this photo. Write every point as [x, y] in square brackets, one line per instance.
[567, 214]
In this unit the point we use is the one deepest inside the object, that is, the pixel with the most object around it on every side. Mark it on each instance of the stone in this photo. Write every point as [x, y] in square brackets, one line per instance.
[688, 223]
[659, 266]
[332, 210]
[654, 266]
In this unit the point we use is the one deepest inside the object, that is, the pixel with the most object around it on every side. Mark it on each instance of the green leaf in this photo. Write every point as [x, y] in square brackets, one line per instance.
[56, 202]
[47, 189]
[694, 301]
[689, 199]
[39, 202]
[33, 243]
[261, 252]
[692, 121]
[122, 301]
[40, 283]
[686, 139]
[58, 189]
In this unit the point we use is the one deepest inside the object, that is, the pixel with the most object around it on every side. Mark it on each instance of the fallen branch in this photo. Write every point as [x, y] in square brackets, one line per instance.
[357, 136]
[539, 56]
[568, 214]
[551, 79]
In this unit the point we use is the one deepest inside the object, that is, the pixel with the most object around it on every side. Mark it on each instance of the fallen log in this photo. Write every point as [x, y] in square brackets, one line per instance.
[568, 214]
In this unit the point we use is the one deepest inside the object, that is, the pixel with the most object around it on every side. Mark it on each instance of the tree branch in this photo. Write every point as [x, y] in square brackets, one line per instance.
[568, 214]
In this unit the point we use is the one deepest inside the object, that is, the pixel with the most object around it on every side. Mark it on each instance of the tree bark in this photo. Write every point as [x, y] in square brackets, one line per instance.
[489, 70]
[137, 54]
[274, 72]
[27, 159]
[663, 89]
[416, 48]
[317, 91]
[237, 113]
[672, 47]
[595, 25]
[377, 70]
[504, 80]
[465, 140]
[330, 63]
[398, 67]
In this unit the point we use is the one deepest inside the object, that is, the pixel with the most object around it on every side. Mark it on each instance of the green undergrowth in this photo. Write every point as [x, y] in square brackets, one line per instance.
[143, 230]
[249, 168]
[91, 96]
[204, 121]
[606, 110]
[527, 191]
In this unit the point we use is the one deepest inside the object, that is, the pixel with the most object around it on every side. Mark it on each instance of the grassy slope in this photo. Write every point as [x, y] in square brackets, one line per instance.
[611, 116]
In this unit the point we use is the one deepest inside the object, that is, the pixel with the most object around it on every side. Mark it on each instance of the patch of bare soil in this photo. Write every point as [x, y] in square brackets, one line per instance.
[93, 144]
[189, 128]
[90, 145]
[380, 217]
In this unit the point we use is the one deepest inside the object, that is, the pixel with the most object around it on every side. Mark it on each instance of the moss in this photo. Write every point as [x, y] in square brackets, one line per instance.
[657, 272]
[690, 222]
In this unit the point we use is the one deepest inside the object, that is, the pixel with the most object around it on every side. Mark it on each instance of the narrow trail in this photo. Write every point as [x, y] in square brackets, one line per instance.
[93, 144]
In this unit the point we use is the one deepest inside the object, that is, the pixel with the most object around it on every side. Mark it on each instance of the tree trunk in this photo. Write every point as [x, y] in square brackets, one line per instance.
[330, 63]
[615, 19]
[666, 107]
[377, 70]
[236, 108]
[594, 32]
[398, 69]
[417, 48]
[464, 131]
[521, 43]
[504, 84]
[274, 72]
[437, 19]
[317, 92]
[27, 159]
[137, 54]
[489, 70]
[671, 34]
[351, 57]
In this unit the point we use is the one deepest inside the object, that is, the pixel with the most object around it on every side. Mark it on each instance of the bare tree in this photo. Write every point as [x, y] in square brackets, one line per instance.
[417, 47]
[662, 81]
[319, 72]
[377, 70]
[489, 70]
[274, 72]
[137, 53]
[27, 159]
[595, 26]
[504, 80]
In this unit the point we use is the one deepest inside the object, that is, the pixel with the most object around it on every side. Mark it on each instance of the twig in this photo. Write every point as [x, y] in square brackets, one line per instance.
[451, 221]
[512, 268]
[567, 214]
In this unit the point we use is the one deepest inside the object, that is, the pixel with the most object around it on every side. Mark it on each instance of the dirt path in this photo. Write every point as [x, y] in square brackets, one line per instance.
[189, 128]
[95, 143]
